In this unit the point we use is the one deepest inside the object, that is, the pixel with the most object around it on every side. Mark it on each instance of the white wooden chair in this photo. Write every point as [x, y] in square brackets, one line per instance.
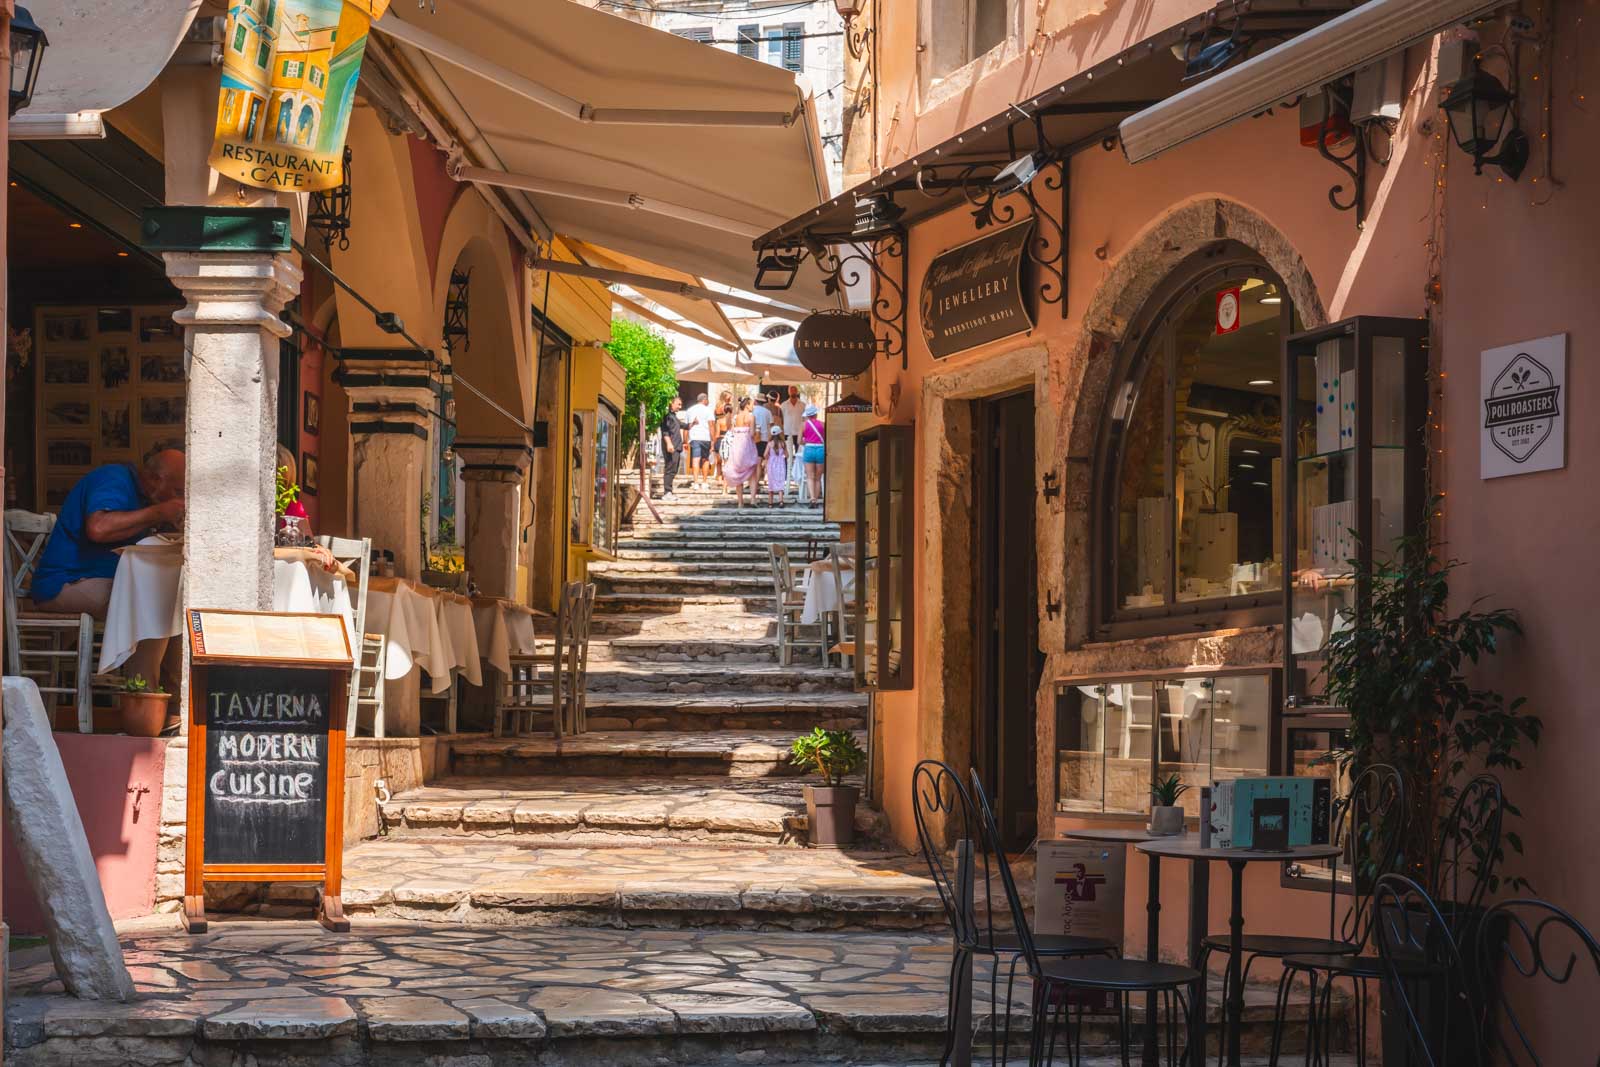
[789, 592]
[366, 679]
[844, 611]
[56, 649]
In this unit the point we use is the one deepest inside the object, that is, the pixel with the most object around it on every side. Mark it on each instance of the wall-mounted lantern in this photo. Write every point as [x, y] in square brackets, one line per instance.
[28, 43]
[1477, 107]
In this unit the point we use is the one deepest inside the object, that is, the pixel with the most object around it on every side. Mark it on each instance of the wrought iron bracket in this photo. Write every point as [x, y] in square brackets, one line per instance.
[1354, 164]
[1052, 485]
[858, 41]
[1052, 606]
[455, 311]
[329, 210]
[843, 269]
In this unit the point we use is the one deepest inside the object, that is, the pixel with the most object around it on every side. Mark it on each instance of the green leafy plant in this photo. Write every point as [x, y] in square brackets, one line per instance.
[652, 380]
[1167, 791]
[139, 684]
[287, 492]
[831, 753]
[1400, 668]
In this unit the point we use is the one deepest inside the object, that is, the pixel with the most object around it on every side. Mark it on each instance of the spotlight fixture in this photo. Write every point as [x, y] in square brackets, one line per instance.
[1212, 57]
[877, 215]
[1017, 174]
[1260, 381]
[1270, 295]
[389, 322]
[1477, 107]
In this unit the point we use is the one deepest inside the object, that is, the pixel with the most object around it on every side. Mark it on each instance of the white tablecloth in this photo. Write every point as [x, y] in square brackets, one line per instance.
[144, 597]
[424, 628]
[504, 629]
[822, 591]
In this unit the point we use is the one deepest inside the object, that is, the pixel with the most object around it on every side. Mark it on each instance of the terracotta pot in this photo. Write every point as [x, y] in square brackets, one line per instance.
[1166, 821]
[144, 714]
[831, 811]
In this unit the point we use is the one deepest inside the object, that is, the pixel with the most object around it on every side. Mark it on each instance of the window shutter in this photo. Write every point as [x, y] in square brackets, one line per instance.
[749, 36]
[794, 55]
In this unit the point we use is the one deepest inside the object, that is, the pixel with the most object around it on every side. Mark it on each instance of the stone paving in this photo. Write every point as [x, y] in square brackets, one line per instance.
[503, 882]
[289, 992]
[737, 753]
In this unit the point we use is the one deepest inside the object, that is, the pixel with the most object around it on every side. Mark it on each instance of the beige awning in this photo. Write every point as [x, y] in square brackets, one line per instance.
[101, 54]
[702, 313]
[624, 136]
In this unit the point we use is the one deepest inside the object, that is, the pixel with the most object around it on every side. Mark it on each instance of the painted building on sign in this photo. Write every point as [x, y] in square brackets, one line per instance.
[1255, 338]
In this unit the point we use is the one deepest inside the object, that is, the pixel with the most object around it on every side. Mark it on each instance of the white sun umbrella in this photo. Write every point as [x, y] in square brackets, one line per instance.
[695, 361]
[776, 363]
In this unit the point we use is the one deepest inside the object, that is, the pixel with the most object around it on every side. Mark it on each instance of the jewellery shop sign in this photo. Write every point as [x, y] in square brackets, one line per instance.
[1524, 420]
[973, 294]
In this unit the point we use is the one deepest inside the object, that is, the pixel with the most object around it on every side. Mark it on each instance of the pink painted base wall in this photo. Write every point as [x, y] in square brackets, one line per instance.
[116, 782]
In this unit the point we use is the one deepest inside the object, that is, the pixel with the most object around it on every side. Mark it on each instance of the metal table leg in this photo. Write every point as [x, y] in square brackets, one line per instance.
[1234, 1016]
[1152, 952]
[1199, 921]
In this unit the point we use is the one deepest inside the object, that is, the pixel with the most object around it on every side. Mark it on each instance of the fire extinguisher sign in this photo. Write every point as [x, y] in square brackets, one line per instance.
[1228, 310]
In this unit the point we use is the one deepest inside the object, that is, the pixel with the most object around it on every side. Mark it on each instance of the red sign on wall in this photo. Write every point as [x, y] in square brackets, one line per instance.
[1228, 310]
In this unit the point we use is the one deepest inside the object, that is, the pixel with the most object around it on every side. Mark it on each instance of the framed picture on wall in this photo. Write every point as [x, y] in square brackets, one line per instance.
[116, 427]
[159, 368]
[66, 328]
[114, 320]
[65, 411]
[311, 414]
[310, 474]
[65, 369]
[154, 328]
[116, 370]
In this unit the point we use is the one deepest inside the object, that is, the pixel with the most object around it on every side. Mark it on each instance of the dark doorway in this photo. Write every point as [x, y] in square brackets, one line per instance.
[1009, 662]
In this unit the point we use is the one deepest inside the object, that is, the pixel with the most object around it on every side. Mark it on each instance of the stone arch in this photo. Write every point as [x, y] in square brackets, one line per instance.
[1086, 374]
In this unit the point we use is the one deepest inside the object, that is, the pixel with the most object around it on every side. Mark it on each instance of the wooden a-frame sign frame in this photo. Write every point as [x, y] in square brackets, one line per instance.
[307, 642]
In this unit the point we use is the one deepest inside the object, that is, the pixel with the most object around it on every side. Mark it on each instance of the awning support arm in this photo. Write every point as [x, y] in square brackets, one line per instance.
[676, 327]
[560, 103]
[596, 194]
[667, 285]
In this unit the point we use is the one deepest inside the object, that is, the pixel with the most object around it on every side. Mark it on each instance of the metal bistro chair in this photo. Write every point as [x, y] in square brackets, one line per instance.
[1369, 827]
[1421, 963]
[553, 665]
[941, 806]
[56, 649]
[1058, 982]
[791, 601]
[1519, 943]
[366, 679]
[1461, 871]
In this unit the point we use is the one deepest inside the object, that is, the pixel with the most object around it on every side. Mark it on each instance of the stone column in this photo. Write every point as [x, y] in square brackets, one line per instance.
[495, 472]
[232, 331]
[391, 417]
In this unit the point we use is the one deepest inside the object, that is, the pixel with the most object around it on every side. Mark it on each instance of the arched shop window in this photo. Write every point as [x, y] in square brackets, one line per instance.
[1190, 456]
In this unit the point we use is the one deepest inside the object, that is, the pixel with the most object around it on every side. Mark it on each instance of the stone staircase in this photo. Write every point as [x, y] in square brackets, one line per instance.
[680, 806]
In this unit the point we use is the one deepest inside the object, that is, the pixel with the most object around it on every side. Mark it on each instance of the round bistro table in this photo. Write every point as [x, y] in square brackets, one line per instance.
[1188, 848]
[1104, 835]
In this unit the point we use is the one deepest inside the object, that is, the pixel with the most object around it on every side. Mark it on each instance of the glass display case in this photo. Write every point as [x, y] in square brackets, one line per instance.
[1354, 453]
[883, 621]
[1116, 736]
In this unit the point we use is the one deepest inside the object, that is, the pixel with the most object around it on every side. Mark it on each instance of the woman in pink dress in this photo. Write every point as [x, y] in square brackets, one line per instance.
[739, 468]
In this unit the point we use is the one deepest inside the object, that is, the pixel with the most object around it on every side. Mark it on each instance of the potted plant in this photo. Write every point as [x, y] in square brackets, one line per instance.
[830, 807]
[1166, 816]
[144, 707]
[291, 527]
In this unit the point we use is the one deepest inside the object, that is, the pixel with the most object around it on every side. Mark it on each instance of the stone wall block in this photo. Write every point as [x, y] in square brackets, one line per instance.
[44, 822]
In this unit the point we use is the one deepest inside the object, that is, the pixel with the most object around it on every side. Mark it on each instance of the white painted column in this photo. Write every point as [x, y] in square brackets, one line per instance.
[495, 473]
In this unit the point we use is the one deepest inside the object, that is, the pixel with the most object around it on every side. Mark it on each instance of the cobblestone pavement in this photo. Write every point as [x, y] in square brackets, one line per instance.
[395, 983]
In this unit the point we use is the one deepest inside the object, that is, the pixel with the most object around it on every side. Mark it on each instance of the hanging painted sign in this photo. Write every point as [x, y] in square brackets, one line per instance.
[1228, 310]
[1524, 428]
[832, 344]
[289, 70]
[973, 294]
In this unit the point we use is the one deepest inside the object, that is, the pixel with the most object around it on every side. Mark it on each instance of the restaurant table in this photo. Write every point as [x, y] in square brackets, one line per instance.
[822, 591]
[144, 594]
[1120, 835]
[423, 627]
[1188, 848]
[504, 629]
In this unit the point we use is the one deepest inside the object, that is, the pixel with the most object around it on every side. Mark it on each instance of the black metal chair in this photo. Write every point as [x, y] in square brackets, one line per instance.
[1420, 961]
[1056, 981]
[1461, 871]
[938, 796]
[1520, 942]
[1369, 826]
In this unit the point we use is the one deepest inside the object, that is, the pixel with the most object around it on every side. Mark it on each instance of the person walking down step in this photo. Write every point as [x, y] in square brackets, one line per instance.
[739, 466]
[777, 467]
[671, 446]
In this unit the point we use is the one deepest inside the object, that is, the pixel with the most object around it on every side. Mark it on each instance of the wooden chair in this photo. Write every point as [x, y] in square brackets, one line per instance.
[844, 612]
[55, 649]
[791, 602]
[366, 680]
[582, 623]
[554, 664]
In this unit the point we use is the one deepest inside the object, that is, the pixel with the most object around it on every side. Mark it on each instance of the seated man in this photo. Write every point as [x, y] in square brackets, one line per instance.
[111, 506]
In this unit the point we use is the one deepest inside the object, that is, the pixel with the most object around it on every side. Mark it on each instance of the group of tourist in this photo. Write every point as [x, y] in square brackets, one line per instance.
[745, 442]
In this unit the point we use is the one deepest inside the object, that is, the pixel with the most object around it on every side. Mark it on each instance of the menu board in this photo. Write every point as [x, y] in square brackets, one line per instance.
[247, 635]
[266, 765]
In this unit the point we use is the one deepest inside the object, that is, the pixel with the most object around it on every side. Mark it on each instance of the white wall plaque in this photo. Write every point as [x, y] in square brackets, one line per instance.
[1523, 420]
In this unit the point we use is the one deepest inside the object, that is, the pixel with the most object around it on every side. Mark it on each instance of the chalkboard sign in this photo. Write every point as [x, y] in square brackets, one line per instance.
[268, 703]
[266, 765]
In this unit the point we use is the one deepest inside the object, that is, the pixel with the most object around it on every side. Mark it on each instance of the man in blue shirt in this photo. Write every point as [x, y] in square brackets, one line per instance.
[111, 506]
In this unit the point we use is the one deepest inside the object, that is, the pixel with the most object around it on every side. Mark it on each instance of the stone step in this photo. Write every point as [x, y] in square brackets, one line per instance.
[631, 568]
[722, 583]
[732, 711]
[666, 649]
[274, 992]
[602, 812]
[631, 753]
[709, 550]
[671, 679]
[666, 603]
[698, 623]
[506, 882]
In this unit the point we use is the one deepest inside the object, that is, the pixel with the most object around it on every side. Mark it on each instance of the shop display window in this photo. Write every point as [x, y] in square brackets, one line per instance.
[1192, 468]
[884, 630]
[1115, 737]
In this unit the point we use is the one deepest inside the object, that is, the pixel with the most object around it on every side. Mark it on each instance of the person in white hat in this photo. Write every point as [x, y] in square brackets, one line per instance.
[813, 453]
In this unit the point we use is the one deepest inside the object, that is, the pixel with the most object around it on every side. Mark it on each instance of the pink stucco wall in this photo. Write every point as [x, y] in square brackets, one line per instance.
[116, 781]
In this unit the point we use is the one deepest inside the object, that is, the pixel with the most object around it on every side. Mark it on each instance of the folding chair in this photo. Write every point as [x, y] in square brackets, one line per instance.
[37, 642]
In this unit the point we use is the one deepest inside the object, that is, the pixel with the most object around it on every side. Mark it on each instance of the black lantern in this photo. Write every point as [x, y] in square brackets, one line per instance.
[848, 9]
[28, 43]
[1477, 107]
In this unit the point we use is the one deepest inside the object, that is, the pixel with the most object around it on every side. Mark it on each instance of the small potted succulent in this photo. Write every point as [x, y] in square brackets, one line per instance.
[1166, 816]
[144, 707]
[830, 807]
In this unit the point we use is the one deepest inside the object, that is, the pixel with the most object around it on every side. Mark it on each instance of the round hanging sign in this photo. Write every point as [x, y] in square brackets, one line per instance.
[835, 344]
